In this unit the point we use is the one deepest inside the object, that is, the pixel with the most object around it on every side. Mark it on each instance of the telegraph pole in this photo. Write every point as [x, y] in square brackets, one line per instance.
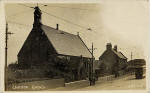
[91, 66]
[92, 63]
[132, 64]
[6, 48]
[131, 55]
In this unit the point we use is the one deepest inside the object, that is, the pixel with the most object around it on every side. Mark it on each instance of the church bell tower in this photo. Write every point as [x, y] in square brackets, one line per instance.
[37, 17]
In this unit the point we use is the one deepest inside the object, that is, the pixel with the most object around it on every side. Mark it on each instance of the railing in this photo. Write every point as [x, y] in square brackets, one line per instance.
[112, 77]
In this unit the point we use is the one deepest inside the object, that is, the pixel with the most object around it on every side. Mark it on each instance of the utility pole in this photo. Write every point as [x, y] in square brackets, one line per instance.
[131, 55]
[92, 80]
[132, 63]
[92, 63]
[6, 48]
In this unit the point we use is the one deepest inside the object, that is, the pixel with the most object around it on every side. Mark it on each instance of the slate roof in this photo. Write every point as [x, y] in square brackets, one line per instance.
[119, 54]
[66, 43]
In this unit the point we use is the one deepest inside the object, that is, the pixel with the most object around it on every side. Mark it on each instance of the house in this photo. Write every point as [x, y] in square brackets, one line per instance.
[96, 69]
[57, 52]
[112, 60]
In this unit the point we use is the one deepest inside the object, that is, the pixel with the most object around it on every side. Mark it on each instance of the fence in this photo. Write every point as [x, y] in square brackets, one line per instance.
[106, 78]
[112, 77]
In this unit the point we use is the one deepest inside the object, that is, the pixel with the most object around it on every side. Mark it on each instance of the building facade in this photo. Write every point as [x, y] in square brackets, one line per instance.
[57, 52]
[112, 61]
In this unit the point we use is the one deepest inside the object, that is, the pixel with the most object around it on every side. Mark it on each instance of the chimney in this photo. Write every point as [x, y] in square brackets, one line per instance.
[108, 46]
[57, 26]
[115, 48]
[78, 33]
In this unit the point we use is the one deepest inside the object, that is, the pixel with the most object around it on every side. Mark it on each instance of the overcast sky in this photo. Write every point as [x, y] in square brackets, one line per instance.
[122, 22]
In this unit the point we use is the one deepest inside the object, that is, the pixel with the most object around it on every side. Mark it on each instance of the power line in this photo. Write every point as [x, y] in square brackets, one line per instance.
[51, 15]
[26, 5]
[15, 14]
[63, 19]
[58, 7]
[69, 7]
[19, 23]
[31, 6]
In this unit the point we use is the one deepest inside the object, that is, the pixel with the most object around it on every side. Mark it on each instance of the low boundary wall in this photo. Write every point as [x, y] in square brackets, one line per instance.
[37, 85]
[77, 84]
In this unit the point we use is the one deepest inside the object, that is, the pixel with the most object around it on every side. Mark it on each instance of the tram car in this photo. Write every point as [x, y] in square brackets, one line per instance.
[138, 67]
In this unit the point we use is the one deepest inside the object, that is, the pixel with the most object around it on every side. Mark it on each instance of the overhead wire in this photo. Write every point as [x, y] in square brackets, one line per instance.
[18, 13]
[69, 7]
[55, 16]
[45, 5]
[18, 23]
[26, 5]
[63, 19]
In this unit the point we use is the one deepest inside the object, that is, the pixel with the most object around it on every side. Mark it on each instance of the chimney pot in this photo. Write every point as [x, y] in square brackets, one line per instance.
[78, 33]
[115, 48]
[108, 46]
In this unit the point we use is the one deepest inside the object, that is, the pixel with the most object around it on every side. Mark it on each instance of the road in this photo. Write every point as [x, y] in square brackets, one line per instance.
[123, 83]
[127, 82]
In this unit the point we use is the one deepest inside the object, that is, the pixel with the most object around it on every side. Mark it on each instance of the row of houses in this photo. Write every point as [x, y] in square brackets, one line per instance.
[62, 54]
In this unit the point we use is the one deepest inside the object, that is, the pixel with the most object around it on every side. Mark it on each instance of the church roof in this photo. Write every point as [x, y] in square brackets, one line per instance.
[66, 43]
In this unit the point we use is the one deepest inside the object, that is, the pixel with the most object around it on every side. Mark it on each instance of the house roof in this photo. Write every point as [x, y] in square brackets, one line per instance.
[66, 43]
[119, 54]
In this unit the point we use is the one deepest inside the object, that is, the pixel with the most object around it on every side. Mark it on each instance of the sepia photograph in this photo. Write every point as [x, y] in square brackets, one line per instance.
[76, 46]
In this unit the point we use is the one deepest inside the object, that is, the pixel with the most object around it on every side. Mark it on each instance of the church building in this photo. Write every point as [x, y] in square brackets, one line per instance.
[57, 52]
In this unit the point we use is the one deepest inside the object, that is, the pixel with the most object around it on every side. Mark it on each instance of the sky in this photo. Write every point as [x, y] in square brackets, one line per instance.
[121, 22]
